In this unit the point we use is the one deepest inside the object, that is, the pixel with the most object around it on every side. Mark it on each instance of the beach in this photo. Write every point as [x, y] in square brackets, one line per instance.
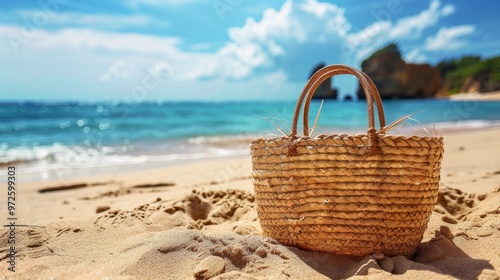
[495, 95]
[228, 139]
[198, 220]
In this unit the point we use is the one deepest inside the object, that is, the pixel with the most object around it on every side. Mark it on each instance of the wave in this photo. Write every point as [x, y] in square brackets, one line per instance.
[467, 124]
[64, 157]
[60, 157]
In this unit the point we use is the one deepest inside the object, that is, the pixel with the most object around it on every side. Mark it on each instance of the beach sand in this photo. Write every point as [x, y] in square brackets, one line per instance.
[485, 96]
[199, 220]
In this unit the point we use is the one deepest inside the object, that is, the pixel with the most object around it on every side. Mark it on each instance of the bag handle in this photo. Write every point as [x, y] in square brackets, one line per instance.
[323, 74]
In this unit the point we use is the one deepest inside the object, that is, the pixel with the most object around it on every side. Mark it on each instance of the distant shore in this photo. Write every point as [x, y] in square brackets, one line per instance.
[494, 95]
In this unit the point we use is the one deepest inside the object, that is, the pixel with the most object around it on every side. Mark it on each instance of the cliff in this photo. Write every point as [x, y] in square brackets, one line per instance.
[395, 78]
[325, 90]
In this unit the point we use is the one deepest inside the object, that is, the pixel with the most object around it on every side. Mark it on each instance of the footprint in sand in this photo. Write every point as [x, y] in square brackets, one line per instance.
[195, 211]
[210, 208]
[68, 230]
[117, 217]
[29, 242]
[455, 204]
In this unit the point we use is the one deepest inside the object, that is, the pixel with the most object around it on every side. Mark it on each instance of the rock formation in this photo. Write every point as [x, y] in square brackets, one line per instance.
[325, 90]
[395, 78]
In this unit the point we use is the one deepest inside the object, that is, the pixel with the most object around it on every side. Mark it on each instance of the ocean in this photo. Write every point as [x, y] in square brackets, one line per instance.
[48, 140]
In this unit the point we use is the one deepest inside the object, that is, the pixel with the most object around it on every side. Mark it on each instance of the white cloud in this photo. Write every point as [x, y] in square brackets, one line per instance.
[449, 38]
[231, 62]
[94, 21]
[116, 55]
[413, 25]
[118, 70]
[78, 38]
[257, 44]
[106, 21]
[448, 9]
[409, 28]
[376, 30]
[274, 24]
[318, 9]
[276, 78]
[200, 46]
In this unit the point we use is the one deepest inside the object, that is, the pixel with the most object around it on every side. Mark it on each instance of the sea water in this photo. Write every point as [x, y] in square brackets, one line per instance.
[46, 137]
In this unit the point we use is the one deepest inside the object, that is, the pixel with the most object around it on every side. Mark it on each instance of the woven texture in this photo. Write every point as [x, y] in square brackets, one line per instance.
[346, 194]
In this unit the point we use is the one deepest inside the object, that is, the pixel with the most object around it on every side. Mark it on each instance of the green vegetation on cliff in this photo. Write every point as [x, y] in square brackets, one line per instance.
[456, 72]
[470, 73]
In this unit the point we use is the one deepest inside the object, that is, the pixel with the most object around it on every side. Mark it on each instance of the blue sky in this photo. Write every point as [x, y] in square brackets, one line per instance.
[219, 49]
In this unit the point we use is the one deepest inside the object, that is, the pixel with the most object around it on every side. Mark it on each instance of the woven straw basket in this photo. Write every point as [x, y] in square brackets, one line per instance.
[346, 194]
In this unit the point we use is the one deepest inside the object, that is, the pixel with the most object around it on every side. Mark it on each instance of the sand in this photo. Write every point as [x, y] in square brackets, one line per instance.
[494, 95]
[198, 221]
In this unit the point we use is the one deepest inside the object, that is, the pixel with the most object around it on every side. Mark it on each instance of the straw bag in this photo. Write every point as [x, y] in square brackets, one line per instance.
[346, 194]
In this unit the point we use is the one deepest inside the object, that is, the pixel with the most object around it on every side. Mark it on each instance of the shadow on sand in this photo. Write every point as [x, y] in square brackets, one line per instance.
[439, 255]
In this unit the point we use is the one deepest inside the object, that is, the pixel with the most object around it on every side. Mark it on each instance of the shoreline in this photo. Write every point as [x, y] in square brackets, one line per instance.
[473, 96]
[144, 163]
[455, 134]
